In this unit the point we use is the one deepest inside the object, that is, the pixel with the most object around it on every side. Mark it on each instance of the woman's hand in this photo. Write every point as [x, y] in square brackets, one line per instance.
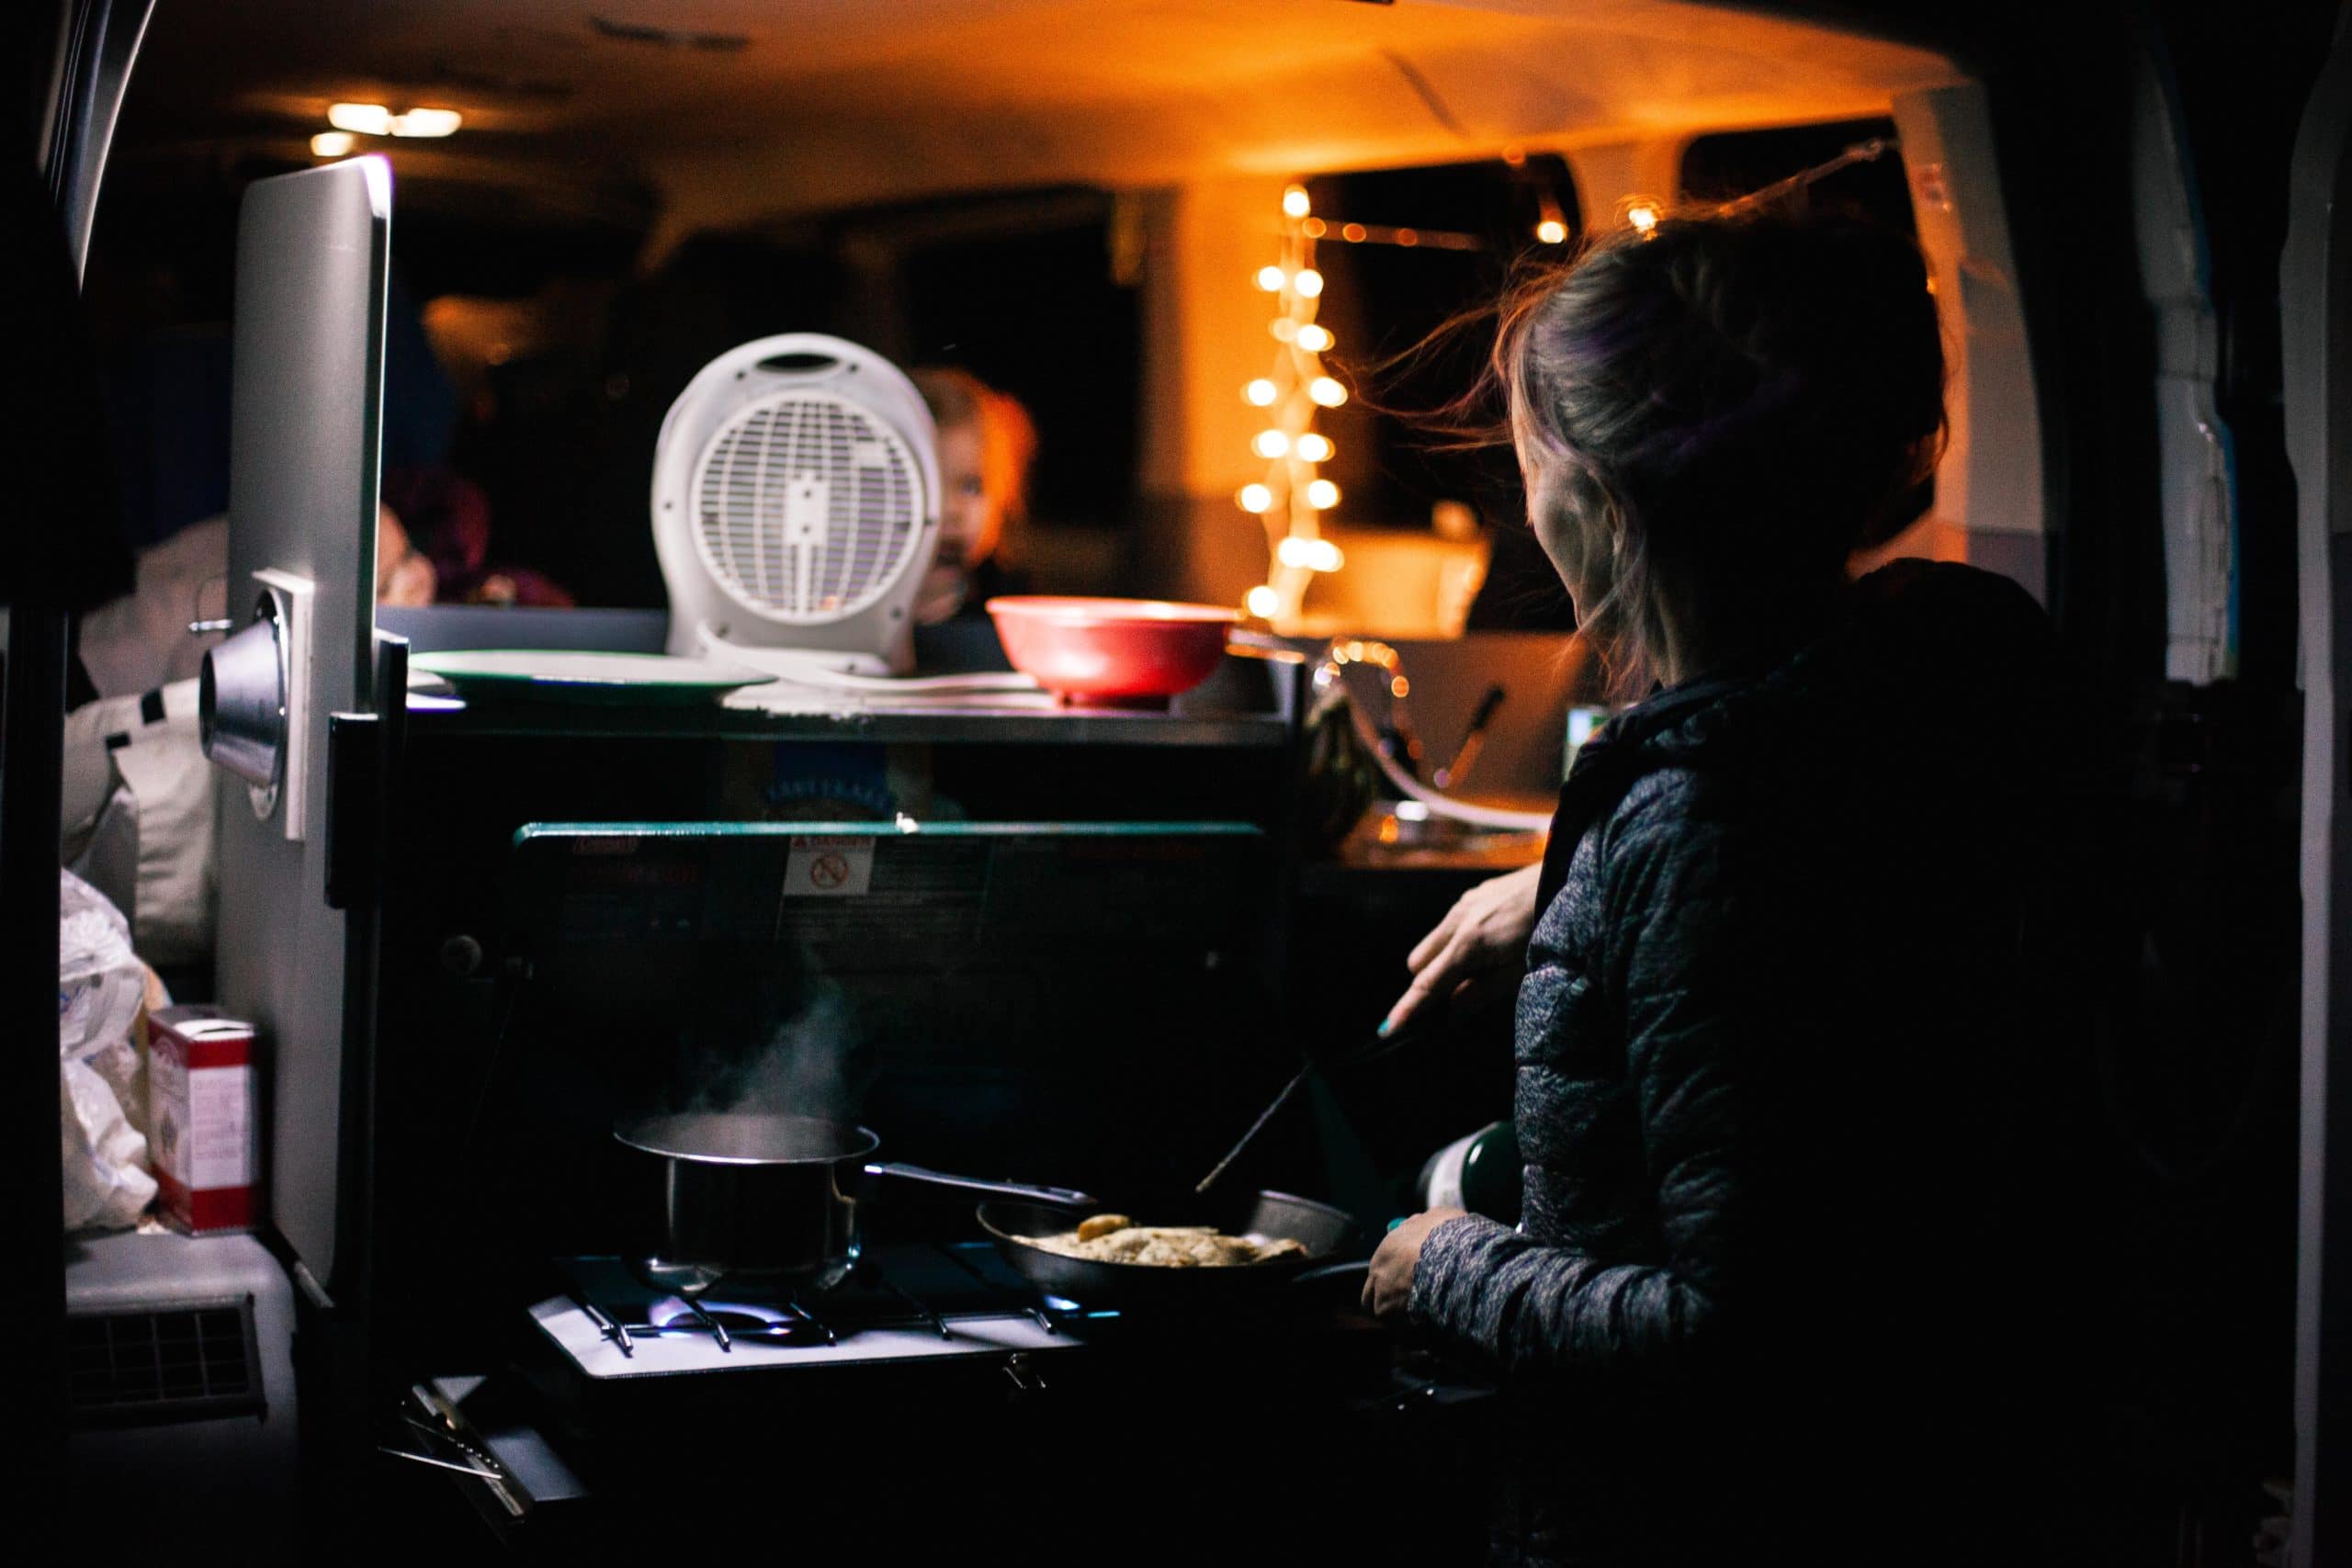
[1389, 1286]
[1483, 936]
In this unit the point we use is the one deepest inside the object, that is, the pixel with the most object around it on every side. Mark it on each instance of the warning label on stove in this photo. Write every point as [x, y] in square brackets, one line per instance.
[822, 866]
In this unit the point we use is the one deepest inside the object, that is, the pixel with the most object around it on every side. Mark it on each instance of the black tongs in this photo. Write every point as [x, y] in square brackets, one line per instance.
[1379, 1045]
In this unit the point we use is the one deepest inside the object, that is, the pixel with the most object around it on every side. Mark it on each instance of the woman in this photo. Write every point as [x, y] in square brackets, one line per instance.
[1786, 1283]
[986, 443]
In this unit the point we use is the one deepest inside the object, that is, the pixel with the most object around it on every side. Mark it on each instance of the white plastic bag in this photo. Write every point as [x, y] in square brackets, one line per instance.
[101, 984]
[106, 1184]
[99, 979]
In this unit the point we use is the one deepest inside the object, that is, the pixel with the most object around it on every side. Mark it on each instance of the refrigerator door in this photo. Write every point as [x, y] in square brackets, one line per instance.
[306, 406]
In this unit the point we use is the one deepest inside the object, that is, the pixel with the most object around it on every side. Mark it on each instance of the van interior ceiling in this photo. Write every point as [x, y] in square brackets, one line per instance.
[858, 157]
[1070, 198]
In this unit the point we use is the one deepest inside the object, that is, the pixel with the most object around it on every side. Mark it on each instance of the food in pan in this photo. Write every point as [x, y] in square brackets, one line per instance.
[1114, 1239]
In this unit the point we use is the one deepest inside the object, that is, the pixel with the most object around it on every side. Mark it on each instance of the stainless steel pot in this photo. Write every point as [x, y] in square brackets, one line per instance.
[750, 1196]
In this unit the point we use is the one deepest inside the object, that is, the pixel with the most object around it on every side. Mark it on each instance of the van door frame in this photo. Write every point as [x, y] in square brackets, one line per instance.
[2315, 303]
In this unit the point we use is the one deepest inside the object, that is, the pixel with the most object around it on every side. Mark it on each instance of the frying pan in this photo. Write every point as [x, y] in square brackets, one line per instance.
[1275, 1216]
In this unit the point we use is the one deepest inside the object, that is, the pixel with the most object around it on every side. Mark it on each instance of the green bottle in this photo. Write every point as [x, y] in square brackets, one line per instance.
[1480, 1173]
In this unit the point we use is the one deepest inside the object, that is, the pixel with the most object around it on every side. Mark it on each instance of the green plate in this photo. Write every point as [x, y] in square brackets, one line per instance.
[532, 674]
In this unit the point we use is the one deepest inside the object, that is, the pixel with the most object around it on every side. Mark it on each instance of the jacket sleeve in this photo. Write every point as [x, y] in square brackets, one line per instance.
[1674, 959]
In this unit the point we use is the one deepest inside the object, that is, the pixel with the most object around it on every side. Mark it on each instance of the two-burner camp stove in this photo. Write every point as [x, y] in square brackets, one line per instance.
[619, 1402]
[608, 1339]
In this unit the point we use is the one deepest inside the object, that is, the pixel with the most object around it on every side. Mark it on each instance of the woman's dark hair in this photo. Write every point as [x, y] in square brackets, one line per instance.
[1732, 404]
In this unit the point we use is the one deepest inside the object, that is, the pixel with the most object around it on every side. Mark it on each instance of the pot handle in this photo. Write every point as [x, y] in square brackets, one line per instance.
[1057, 1197]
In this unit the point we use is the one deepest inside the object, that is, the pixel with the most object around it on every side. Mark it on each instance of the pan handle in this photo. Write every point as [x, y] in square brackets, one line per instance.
[1056, 1197]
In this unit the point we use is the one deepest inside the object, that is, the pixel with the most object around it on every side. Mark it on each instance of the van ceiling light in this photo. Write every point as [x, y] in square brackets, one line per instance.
[332, 143]
[368, 120]
[374, 120]
[427, 122]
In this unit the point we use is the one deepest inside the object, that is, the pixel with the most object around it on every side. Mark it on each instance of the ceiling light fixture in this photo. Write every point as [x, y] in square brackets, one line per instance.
[332, 143]
[427, 122]
[374, 120]
[368, 120]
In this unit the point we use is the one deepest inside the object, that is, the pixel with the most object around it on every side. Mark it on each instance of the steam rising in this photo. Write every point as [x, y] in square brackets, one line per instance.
[792, 1057]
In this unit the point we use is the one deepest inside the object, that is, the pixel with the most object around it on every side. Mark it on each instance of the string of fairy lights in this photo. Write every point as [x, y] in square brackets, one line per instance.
[1292, 497]
[1291, 501]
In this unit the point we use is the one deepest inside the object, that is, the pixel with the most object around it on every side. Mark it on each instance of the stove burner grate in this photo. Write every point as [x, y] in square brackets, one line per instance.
[942, 1287]
[723, 1323]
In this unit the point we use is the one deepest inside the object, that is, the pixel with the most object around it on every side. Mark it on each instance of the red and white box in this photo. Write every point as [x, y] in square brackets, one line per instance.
[201, 1129]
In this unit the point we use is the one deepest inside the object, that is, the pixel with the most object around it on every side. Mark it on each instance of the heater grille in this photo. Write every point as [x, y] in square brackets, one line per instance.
[140, 1367]
[804, 507]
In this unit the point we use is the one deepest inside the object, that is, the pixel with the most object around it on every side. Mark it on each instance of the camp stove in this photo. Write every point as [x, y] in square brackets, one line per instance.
[909, 1303]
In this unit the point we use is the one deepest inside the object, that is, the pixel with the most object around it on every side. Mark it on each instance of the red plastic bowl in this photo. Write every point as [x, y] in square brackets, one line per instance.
[1110, 650]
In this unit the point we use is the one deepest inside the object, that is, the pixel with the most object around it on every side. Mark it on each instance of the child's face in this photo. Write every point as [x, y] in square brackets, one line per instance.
[969, 521]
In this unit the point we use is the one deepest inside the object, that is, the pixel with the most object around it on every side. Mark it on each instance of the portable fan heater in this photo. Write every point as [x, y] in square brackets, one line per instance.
[795, 505]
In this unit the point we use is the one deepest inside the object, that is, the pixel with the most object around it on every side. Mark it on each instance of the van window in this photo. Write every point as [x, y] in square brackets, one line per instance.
[1729, 165]
[1472, 222]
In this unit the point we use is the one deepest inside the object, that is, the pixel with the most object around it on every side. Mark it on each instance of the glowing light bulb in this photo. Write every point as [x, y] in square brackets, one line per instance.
[1284, 328]
[427, 122]
[1313, 448]
[1642, 216]
[1295, 201]
[1255, 498]
[1302, 554]
[1270, 279]
[1262, 601]
[1309, 283]
[1315, 339]
[1322, 496]
[1271, 444]
[368, 120]
[1551, 231]
[332, 143]
[1260, 391]
[1327, 391]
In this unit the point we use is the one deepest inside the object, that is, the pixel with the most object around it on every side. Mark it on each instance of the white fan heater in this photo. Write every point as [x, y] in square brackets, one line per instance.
[795, 505]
